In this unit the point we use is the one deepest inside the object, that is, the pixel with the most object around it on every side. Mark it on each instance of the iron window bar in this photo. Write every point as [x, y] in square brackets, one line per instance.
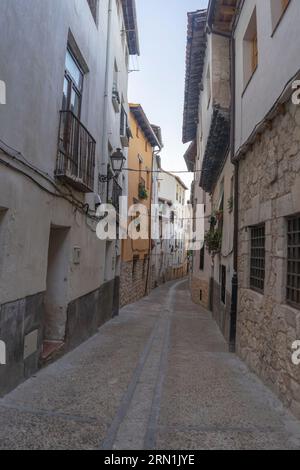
[257, 258]
[293, 261]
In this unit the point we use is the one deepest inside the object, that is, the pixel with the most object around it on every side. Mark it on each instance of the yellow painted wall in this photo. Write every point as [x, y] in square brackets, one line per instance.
[139, 146]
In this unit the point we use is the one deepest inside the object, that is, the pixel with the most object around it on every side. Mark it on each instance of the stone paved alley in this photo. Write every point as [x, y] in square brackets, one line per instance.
[156, 377]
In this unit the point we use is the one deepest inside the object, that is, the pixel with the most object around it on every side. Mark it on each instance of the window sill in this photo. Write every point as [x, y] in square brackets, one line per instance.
[249, 81]
[291, 305]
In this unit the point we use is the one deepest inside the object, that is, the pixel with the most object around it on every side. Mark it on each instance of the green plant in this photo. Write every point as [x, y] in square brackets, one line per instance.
[143, 194]
[213, 241]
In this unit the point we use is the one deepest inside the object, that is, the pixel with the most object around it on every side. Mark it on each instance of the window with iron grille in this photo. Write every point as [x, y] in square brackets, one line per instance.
[257, 258]
[293, 261]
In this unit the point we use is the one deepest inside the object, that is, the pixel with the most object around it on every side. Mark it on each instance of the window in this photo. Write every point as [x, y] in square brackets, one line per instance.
[250, 49]
[134, 266]
[123, 122]
[146, 145]
[73, 84]
[93, 4]
[223, 284]
[293, 261]
[278, 8]
[202, 258]
[257, 258]
[137, 131]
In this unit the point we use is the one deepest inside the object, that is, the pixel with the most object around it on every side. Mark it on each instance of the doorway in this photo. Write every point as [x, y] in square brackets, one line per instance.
[56, 296]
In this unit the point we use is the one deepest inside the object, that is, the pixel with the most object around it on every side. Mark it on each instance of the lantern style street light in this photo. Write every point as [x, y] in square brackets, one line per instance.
[117, 163]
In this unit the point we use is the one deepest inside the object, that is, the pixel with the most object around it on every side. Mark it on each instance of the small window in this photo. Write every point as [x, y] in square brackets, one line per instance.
[278, 8]
[293, 261]
[137, 131]
[134, 266]
[202, 258]
[257, 258]
[250, 49]
[93, 4]
[223, 284]
[73, 84]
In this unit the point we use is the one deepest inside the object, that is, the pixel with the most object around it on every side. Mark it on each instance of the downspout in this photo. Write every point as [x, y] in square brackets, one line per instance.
[234, 295]
[104, 162]
[106, 95]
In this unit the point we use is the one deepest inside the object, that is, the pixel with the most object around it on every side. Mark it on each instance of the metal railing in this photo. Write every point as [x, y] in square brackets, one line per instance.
[76, 153]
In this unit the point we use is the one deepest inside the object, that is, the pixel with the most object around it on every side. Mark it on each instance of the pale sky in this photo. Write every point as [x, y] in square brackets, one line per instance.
[159, 85]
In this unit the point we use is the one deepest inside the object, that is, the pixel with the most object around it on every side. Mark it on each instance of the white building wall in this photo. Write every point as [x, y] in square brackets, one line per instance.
[278, 62]
[33, 42]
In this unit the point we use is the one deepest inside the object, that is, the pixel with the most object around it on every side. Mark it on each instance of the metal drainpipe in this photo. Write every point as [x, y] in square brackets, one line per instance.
[106, 92]
[234, 295]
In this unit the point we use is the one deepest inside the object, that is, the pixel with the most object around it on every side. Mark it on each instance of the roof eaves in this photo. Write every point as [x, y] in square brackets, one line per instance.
[145, 125]
[195, 56]
[216, 148]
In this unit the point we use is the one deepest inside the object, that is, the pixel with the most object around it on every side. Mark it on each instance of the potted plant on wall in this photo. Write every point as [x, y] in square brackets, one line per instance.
[143, 194]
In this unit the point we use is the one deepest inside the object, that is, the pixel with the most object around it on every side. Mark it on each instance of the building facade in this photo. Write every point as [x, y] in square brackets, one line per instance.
[136, 253]
[170, 242]
[57, 279]
[246, 150]
[267, 152]
[207, 125]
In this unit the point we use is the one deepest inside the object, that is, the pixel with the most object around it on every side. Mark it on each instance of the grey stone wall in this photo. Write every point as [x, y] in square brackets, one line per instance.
[22, 323]
[18, 320]
[269, 188]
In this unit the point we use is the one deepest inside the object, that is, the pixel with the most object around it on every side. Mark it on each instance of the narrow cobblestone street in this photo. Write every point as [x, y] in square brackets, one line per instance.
[156, 377]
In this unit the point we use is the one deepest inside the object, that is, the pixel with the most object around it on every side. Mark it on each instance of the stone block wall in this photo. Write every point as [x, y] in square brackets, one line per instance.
[269, 188]
[200, 291]
[133, 285]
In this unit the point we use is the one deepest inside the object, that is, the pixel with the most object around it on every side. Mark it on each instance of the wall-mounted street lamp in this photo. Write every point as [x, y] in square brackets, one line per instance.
[117, 163]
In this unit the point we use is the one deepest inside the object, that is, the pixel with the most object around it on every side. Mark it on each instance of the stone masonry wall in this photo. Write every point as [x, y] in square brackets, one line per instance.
[200, 291]
[269, 187]
[133, 285]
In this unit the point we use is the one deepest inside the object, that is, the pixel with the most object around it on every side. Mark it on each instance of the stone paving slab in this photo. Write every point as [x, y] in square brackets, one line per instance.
[159, 376]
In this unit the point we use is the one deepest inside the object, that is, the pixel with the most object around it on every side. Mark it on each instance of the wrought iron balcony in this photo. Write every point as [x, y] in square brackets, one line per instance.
[76, 153]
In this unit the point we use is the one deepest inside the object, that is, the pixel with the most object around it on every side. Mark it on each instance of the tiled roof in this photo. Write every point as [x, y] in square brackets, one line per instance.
[145, 125]
[190, 156]
[216, 148]
[195, 56]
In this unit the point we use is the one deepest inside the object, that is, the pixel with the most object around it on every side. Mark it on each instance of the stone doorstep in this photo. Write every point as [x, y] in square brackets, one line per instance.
[50, 349]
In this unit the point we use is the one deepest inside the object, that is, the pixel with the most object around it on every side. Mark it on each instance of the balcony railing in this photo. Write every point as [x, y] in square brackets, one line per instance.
[76, 153]
[116, 194]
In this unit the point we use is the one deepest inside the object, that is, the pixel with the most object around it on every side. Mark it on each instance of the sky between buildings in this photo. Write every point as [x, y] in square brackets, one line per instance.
[159, 84]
